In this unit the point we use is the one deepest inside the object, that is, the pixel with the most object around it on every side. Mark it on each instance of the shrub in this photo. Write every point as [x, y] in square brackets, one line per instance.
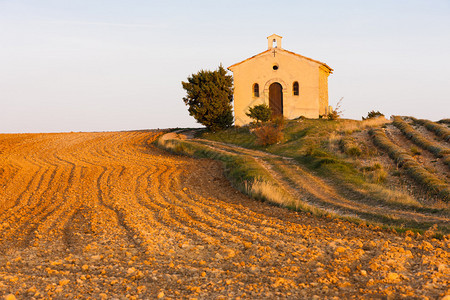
[333, 115]
[209, 97]
[349, 147]
[373, 114]
[268, 134]
[260, 113]
[336, 113]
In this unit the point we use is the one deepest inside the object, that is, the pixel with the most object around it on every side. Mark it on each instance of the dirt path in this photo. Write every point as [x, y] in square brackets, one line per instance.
[107, 215]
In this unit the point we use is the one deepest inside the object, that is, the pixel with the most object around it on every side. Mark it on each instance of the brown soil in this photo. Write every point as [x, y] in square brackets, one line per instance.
[107, 215]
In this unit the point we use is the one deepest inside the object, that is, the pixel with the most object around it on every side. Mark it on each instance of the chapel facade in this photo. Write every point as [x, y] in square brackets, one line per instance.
[291, 84]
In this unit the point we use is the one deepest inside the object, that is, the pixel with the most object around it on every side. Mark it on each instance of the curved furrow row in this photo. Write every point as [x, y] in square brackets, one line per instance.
[120, 199]
[187, 210]
[102, 218]
[207, 218]
[49, 202]
[242, 227]
[151, 198]
[231, 214]
[16, 198]
[69, 201]
[33, 204]
[166, 213]
[103, 215]
[219, 207]
[8, 175]
[33, 186]
[156, 204]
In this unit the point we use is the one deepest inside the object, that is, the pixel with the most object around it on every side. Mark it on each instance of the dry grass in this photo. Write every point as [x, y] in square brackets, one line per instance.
[393, 197]
[333, 141]
[377, 176]
[267, 191]
[349, 126]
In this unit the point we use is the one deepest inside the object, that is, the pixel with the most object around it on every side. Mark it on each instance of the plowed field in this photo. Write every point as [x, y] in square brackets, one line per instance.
[107, 215]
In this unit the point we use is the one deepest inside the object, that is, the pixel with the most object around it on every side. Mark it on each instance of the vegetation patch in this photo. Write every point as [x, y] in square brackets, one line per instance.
[421, 141]
[305, 141]
[340, 152]
[349, 146]
[412, 167]
[440, 130]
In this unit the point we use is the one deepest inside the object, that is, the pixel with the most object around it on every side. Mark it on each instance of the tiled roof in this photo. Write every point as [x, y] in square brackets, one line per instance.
[283, 50]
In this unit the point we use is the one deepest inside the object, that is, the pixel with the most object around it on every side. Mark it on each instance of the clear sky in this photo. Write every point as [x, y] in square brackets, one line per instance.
[91, 65]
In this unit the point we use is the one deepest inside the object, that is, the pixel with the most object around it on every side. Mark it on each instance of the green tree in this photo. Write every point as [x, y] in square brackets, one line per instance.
[209, 95]
[260, 113]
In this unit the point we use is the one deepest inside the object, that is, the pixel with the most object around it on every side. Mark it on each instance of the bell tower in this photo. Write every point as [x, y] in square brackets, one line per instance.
[274, 41]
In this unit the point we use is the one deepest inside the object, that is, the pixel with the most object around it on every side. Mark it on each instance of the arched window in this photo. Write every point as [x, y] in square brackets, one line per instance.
[256, 90]
[295, 88]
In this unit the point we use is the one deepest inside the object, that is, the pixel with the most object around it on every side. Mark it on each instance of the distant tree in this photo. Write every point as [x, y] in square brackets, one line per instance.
[260, 113]
[209, 97]
[373, 114]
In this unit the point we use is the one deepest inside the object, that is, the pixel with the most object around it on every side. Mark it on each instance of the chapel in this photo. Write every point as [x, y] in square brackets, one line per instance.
[291, 84]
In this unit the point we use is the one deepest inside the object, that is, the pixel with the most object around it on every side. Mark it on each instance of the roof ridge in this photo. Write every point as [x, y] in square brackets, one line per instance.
[290, 52]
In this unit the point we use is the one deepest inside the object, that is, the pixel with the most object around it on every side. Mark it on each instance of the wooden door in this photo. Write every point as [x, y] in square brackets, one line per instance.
[276, 99]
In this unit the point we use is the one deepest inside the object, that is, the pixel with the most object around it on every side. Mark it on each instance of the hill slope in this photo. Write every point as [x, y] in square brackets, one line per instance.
[364, 171]
[107, 215]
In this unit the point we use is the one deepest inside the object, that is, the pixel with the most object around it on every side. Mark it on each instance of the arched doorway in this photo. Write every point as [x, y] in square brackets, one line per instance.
[276, 99]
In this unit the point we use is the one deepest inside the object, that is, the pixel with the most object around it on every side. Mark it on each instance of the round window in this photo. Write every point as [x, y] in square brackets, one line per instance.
[275, 67]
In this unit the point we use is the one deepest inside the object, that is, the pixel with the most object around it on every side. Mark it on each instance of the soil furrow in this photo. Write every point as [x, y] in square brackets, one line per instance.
[107, 215]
